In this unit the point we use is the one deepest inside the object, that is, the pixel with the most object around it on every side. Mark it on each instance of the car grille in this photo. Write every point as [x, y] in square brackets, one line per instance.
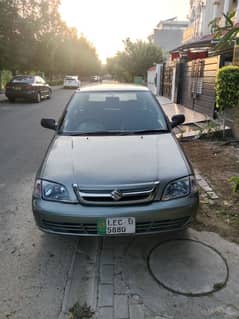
[141, 227]
[122, 195]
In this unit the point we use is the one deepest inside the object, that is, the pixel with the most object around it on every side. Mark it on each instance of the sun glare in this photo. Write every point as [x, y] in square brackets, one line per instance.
[107, 23]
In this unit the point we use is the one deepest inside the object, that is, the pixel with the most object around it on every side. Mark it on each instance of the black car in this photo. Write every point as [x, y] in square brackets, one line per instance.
[30, 87]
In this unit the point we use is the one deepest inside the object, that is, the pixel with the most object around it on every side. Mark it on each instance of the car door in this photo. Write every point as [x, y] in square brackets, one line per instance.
[43, 87]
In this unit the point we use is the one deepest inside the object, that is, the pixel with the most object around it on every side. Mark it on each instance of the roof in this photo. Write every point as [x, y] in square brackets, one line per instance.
[205, 41]
[113, 87]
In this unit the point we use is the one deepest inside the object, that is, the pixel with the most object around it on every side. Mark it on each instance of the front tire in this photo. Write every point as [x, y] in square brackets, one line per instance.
[49, 95]
[38, 97]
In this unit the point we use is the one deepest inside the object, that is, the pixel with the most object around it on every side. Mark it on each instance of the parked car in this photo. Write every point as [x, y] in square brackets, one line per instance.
[95, 78]
[71, 82]
[114, 167]
[29, 87]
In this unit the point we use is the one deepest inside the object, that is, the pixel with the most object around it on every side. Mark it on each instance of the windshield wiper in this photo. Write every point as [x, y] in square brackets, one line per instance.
[139, 132]
[94, 133]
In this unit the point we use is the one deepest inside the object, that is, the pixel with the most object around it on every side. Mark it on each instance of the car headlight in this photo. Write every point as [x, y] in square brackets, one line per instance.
[50, 191]
[180, 188]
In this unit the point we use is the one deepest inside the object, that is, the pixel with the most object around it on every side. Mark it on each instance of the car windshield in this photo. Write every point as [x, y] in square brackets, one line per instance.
[70, 78]
[112, 113]
[23, 79]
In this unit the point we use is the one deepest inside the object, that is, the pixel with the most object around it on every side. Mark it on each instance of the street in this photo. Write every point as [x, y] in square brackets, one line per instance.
[43, 276]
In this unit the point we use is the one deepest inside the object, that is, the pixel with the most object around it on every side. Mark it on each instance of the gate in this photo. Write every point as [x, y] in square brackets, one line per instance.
[199, 78]
[167, 81]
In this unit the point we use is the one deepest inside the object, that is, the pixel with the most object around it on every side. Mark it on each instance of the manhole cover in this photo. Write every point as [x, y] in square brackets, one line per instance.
[188, 267]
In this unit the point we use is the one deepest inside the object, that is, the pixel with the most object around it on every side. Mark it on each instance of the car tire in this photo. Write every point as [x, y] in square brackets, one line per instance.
[49, 94]
[38, 97]
[11, 99]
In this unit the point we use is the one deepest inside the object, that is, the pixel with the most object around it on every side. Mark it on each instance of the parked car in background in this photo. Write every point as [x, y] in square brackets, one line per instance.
[124, 174]
[71, 82]
[95, 78]
[29, 87]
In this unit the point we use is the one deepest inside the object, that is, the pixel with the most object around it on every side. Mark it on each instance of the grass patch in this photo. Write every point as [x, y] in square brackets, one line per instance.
[78, 311]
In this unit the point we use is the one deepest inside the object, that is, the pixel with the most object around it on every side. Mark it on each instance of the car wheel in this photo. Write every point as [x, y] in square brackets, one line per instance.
[49, 94]
[38, 97]
[11, 99]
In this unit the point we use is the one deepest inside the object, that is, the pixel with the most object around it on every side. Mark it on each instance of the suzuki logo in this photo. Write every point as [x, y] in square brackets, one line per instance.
[116, 195]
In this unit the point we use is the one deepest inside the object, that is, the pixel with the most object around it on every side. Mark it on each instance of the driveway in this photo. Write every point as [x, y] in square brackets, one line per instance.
[186, 275]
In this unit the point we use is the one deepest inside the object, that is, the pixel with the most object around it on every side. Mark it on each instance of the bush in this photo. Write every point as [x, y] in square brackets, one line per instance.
[5, 77]
[55, 82]
[227, 87]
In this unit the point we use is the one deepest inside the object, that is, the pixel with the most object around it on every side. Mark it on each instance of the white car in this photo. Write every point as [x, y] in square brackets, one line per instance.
[71, 81]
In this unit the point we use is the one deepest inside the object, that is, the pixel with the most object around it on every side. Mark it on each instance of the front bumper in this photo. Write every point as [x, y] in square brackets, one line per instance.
[79, 220]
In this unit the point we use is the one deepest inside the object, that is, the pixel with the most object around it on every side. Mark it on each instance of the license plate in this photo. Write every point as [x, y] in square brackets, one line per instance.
[18, 88]
[116, 226]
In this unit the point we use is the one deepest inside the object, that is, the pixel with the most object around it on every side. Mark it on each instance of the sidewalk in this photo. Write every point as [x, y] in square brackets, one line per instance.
[171, 109]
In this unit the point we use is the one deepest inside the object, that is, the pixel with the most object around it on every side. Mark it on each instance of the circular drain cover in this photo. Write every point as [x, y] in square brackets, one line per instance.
[188, 267]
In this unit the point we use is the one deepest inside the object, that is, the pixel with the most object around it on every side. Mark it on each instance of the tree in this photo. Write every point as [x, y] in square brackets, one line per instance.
[228, 33]
[134, 60]
[33, 38]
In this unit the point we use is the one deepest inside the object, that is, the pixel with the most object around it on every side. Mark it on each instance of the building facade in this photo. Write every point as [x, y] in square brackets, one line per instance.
[168, 34]
[202, 12]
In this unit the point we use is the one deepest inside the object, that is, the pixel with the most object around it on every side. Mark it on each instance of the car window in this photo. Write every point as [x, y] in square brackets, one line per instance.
[113, 111]
[39, 80]
[42, 80]
[23, 79]
[71, 78]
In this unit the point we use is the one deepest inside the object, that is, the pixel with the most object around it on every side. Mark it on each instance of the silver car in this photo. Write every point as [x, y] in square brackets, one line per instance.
[114, 167]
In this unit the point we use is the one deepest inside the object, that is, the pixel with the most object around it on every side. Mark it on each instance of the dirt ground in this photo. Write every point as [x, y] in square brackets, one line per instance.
[217, 162]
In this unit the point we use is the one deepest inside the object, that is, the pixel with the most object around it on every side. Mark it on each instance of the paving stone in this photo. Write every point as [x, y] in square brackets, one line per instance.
[212, 195]
[207, 189]
[106, 274]
[105, 295]
[121, 307]
[106, 313]
[107, 256]
[136, 311]
[120, 286]
[203, 184]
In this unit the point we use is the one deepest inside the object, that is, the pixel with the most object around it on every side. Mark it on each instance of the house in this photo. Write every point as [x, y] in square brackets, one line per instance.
[194, 63]
[168, 34]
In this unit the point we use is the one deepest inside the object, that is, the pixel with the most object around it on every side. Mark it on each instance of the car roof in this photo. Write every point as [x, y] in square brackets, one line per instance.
[113, 87]
[24, 76]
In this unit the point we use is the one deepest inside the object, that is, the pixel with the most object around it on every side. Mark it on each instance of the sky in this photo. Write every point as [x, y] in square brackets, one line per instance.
[106, 23]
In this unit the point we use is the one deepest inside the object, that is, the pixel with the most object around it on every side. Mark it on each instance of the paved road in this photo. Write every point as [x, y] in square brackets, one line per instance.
[34, 267]
[41, 276]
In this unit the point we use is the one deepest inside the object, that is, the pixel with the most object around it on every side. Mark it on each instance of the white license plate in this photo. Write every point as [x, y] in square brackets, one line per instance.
[117, 225]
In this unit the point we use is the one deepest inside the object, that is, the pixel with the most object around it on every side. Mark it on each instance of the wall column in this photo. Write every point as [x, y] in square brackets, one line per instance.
[237, 12]
[227, 4]
[216, 5]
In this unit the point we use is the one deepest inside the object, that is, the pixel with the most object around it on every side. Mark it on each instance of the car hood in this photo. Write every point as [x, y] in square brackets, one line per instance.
[114, 160]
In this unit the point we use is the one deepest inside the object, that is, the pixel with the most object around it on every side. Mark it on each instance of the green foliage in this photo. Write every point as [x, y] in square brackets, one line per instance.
[56, 82]
[5, 76]
[33, 37]
[227, 87]
[234, 180]
[209, 130]
[224, 35]
[134, 60]
[80, 312]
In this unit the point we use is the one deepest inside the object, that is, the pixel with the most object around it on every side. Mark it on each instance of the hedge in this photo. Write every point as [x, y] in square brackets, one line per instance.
[227, 87]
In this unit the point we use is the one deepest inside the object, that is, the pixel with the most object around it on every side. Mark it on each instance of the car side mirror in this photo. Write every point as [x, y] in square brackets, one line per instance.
[177, 120]
[49, 123]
